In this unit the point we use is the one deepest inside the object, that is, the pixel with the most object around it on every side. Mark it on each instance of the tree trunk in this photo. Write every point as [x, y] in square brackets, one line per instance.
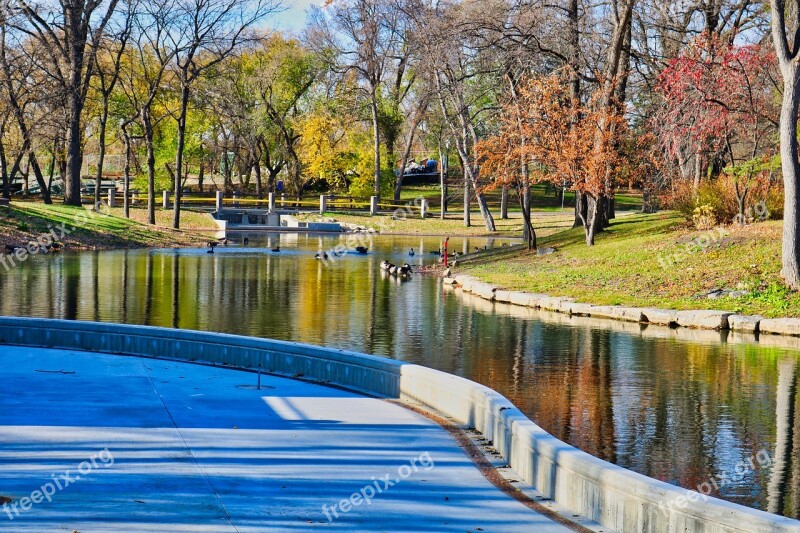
[580, 209]
[151, 167]
[126, 179]
[4, 172]
[102, 155]
[529, 233]
[201, 175]
[594, 218]
[72, 180]
[526, 208]
[791, 180]
[467, 221]
[176, 218]
[485, 213]
[33, 164]
[504, 203]
[376, 138]
[257, 168]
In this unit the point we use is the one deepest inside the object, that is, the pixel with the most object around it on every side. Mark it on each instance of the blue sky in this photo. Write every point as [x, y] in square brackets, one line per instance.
[294, 18]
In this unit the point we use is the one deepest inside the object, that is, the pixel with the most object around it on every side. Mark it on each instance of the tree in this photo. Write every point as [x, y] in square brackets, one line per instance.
[204, 33]
[68, 33]
[108, 63]
[558, 142]
[365, 37]
[788, 52]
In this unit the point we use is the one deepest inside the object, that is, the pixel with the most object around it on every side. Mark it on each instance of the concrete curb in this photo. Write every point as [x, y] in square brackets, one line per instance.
[605, 493]
[696, 319]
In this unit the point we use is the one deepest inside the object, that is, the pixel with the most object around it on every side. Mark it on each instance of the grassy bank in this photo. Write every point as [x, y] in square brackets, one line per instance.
[23, 222]
[546, 223]
[652, 261]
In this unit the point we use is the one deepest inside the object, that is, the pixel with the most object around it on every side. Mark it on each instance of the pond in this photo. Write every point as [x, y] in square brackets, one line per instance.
[694, 409]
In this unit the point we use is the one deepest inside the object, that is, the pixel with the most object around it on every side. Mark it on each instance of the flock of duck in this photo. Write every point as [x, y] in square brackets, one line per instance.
[400, 271]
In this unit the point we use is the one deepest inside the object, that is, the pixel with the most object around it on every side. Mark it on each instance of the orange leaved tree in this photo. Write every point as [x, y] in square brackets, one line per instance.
[555, 139]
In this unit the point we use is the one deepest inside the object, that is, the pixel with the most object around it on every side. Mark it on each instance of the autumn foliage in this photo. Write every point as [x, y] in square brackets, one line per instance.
[718, 101]
[555, 139]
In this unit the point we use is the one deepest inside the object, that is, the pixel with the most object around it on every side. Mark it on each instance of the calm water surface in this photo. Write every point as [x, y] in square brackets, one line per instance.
[685, 412]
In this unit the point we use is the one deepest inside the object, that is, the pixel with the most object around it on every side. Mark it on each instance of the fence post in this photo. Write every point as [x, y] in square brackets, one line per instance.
[219, 201]
[373, 205]
[112, 197]
[165, 199]
[424, 208]
[323, 204]
[271, 202]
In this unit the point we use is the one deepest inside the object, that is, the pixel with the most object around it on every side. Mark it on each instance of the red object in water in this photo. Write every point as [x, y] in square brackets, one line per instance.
[445, 251]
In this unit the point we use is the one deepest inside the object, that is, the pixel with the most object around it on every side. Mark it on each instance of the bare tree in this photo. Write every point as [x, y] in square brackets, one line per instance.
[69, 33]
[204, 33]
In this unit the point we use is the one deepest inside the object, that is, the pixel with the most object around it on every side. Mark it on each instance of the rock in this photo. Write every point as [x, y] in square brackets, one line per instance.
[627, 314]
[663, 317]
[545, 251]
[703, 319]
[484, 290]
[780, 326]
[745, 323]
[575, 308]
[502, 296]
[525, 299]
[465, 282]
[551, 303]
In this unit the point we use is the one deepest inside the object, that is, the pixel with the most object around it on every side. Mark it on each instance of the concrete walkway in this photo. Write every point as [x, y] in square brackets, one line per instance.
[118, 443]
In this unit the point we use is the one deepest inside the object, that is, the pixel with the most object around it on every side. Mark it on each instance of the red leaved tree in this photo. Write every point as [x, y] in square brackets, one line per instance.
[718, 105]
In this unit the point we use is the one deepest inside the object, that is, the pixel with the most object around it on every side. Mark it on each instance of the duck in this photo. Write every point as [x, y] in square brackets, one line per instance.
[321, 255]
[394, 270]
[412, 253]
[405, 270]
[362, 249]
[223, 242]
[12, 248]
[386, 265]
[245, 241]
[277, 249]
[53, 247]
[211, 247]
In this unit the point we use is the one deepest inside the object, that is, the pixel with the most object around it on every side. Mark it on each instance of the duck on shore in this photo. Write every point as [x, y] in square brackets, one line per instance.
[211, 246]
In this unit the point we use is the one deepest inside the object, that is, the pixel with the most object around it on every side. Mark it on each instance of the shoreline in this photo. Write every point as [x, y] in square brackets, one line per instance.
[705, 319]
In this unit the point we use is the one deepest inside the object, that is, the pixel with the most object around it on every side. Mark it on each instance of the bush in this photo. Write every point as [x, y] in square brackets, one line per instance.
[717, 196]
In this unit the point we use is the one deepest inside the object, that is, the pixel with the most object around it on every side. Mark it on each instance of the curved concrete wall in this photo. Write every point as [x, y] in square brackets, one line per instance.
[617, 498]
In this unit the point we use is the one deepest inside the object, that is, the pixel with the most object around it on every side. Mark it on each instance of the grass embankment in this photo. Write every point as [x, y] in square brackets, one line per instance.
[546, 223]
[652, 261]
[23, 222]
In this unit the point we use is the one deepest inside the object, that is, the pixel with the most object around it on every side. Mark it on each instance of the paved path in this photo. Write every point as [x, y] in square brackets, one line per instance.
[194, 448]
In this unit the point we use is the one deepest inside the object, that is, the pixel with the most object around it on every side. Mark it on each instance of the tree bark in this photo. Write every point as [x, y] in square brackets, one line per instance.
[504, 203]
[102, 151]
[790, 70]
[126, 178]
[151, 166]
[176, 217]
[376, 138]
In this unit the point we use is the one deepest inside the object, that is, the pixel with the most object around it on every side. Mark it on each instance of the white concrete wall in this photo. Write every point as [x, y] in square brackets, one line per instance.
[617, 498]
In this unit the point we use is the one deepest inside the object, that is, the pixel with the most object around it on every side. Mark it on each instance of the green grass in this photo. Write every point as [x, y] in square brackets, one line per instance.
[624, 268]
[25, 221]
[545, 223]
